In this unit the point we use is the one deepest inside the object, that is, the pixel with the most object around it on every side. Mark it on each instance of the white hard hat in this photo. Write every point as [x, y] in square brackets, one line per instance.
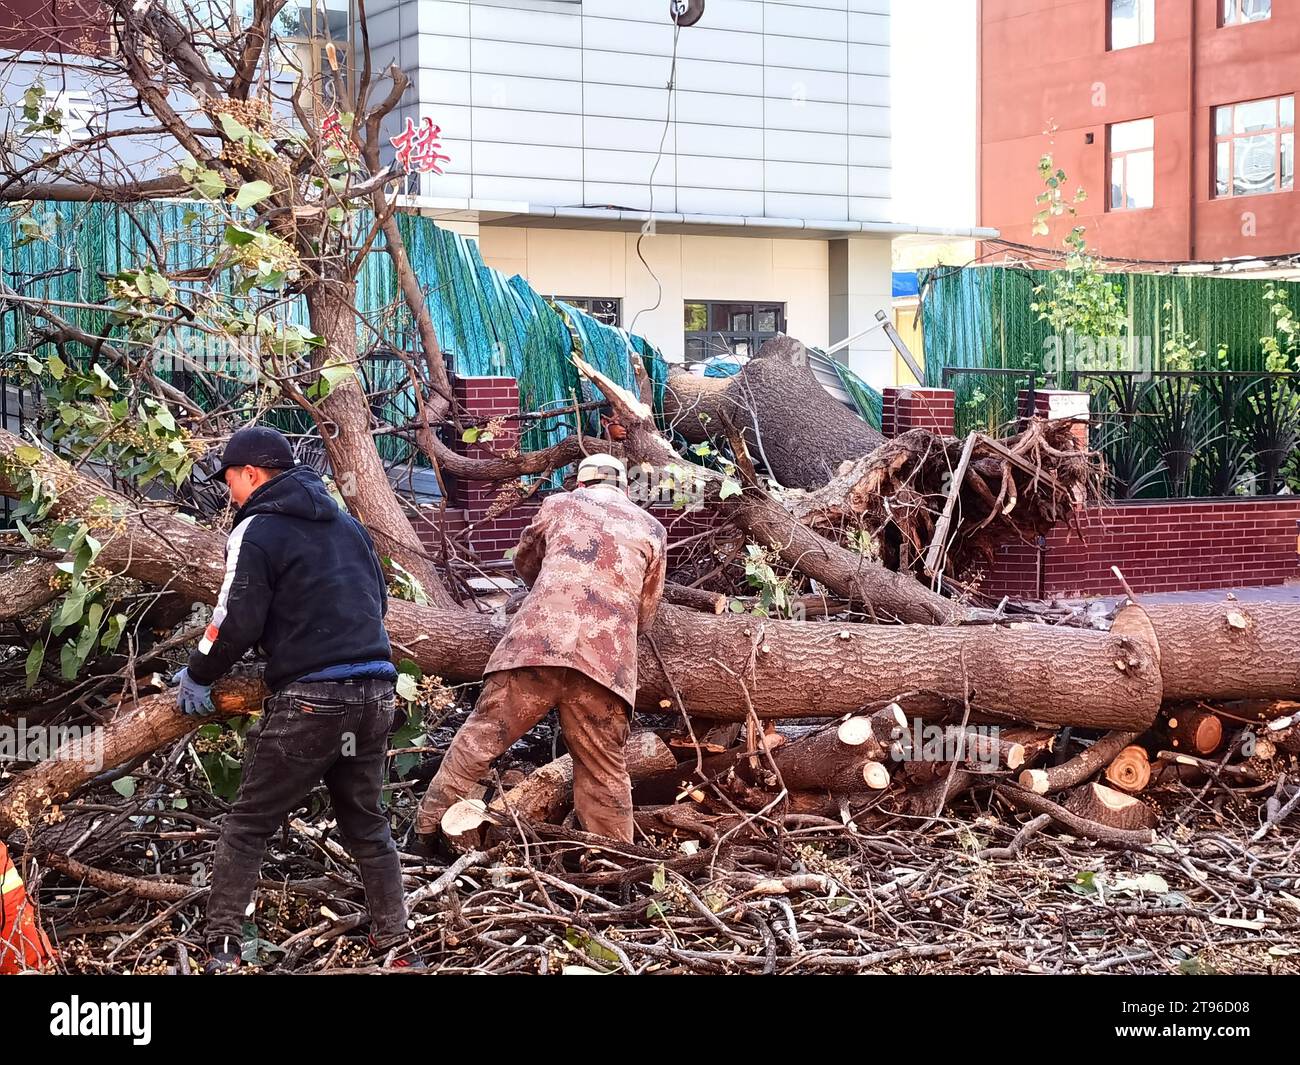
[602, 469]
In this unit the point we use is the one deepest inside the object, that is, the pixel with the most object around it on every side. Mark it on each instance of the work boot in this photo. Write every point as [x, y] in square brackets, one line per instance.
[223, 956]
[404, 954]
[381, 876]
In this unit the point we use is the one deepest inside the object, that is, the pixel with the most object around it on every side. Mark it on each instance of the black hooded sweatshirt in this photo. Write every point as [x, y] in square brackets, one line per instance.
[303, 584]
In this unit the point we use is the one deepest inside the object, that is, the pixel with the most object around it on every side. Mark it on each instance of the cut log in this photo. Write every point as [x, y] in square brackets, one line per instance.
[695, 598]
[1130, 770]
[462, 824]
[546, 793]
[1106, 806]
[1078, 768]
[1194, 730]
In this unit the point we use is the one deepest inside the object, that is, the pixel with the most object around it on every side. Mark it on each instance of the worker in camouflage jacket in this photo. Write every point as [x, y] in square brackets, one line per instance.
[595, 563]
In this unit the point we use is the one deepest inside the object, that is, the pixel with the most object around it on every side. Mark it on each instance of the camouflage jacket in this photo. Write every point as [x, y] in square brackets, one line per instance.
[595, 562]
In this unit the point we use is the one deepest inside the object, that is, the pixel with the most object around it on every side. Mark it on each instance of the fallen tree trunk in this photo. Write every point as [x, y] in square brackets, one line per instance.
[776, 402]
[1232, 650]
[1034, 673]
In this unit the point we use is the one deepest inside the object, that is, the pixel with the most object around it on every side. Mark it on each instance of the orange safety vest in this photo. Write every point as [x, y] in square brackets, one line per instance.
[23, 945]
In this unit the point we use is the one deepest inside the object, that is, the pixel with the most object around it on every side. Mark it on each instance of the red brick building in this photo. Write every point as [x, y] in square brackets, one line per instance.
[1176, 116]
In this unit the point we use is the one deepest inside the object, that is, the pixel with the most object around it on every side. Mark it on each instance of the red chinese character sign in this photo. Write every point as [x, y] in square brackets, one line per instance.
[417, 147]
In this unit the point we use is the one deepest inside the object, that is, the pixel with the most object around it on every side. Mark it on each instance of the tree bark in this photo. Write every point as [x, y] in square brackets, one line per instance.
[1231, 650]
[27, 585]
[358, 469]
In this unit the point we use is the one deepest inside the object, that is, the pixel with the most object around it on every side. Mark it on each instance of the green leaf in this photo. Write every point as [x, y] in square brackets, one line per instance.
[579, 940]
[209, 184]
[35, 657]
[124, 786]
[238, 236]
[234, 129]
[252, 192]
[335, 373]
[660, 879]
[1085, 883]
[28, 456]
[71, 610]
[57, 367]
[730, 488]
[104, 379]
[407, 665]
[113, 635]
[469, 436]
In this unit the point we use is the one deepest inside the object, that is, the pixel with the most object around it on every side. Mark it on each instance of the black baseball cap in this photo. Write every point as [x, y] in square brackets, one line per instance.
[255, 445]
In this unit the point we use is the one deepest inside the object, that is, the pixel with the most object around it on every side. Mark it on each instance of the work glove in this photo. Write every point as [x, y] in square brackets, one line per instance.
[193, 697]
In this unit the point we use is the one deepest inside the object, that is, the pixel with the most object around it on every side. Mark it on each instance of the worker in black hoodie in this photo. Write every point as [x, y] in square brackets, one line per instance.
[304, 586]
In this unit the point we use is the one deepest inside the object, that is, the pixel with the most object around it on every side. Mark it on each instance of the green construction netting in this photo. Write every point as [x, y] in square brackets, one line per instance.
[983, 340]
[487, 324]
[980, 316]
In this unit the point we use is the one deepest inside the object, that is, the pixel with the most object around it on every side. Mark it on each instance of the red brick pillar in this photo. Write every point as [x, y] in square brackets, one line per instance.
[906, 407]
[1060, 403]
[484, 398]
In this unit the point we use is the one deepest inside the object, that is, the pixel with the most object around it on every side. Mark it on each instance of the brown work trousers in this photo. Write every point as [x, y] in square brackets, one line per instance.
[595, 724]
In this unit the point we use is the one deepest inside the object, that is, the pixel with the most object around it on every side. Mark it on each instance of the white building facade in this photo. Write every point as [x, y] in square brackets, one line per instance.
[706, 185]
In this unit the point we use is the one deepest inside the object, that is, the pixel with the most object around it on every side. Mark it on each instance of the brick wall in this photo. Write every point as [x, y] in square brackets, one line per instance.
[1159, 547]
[917, 408]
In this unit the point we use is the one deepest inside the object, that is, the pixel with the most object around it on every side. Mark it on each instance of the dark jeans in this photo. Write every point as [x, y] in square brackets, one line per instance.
[336, 731]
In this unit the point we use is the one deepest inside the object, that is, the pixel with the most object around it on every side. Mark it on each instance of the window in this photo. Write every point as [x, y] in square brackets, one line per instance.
[1132, 164]
[1254, 147]
[738, 329]
[1236, 12]
[1132, 22]
[608, 311]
